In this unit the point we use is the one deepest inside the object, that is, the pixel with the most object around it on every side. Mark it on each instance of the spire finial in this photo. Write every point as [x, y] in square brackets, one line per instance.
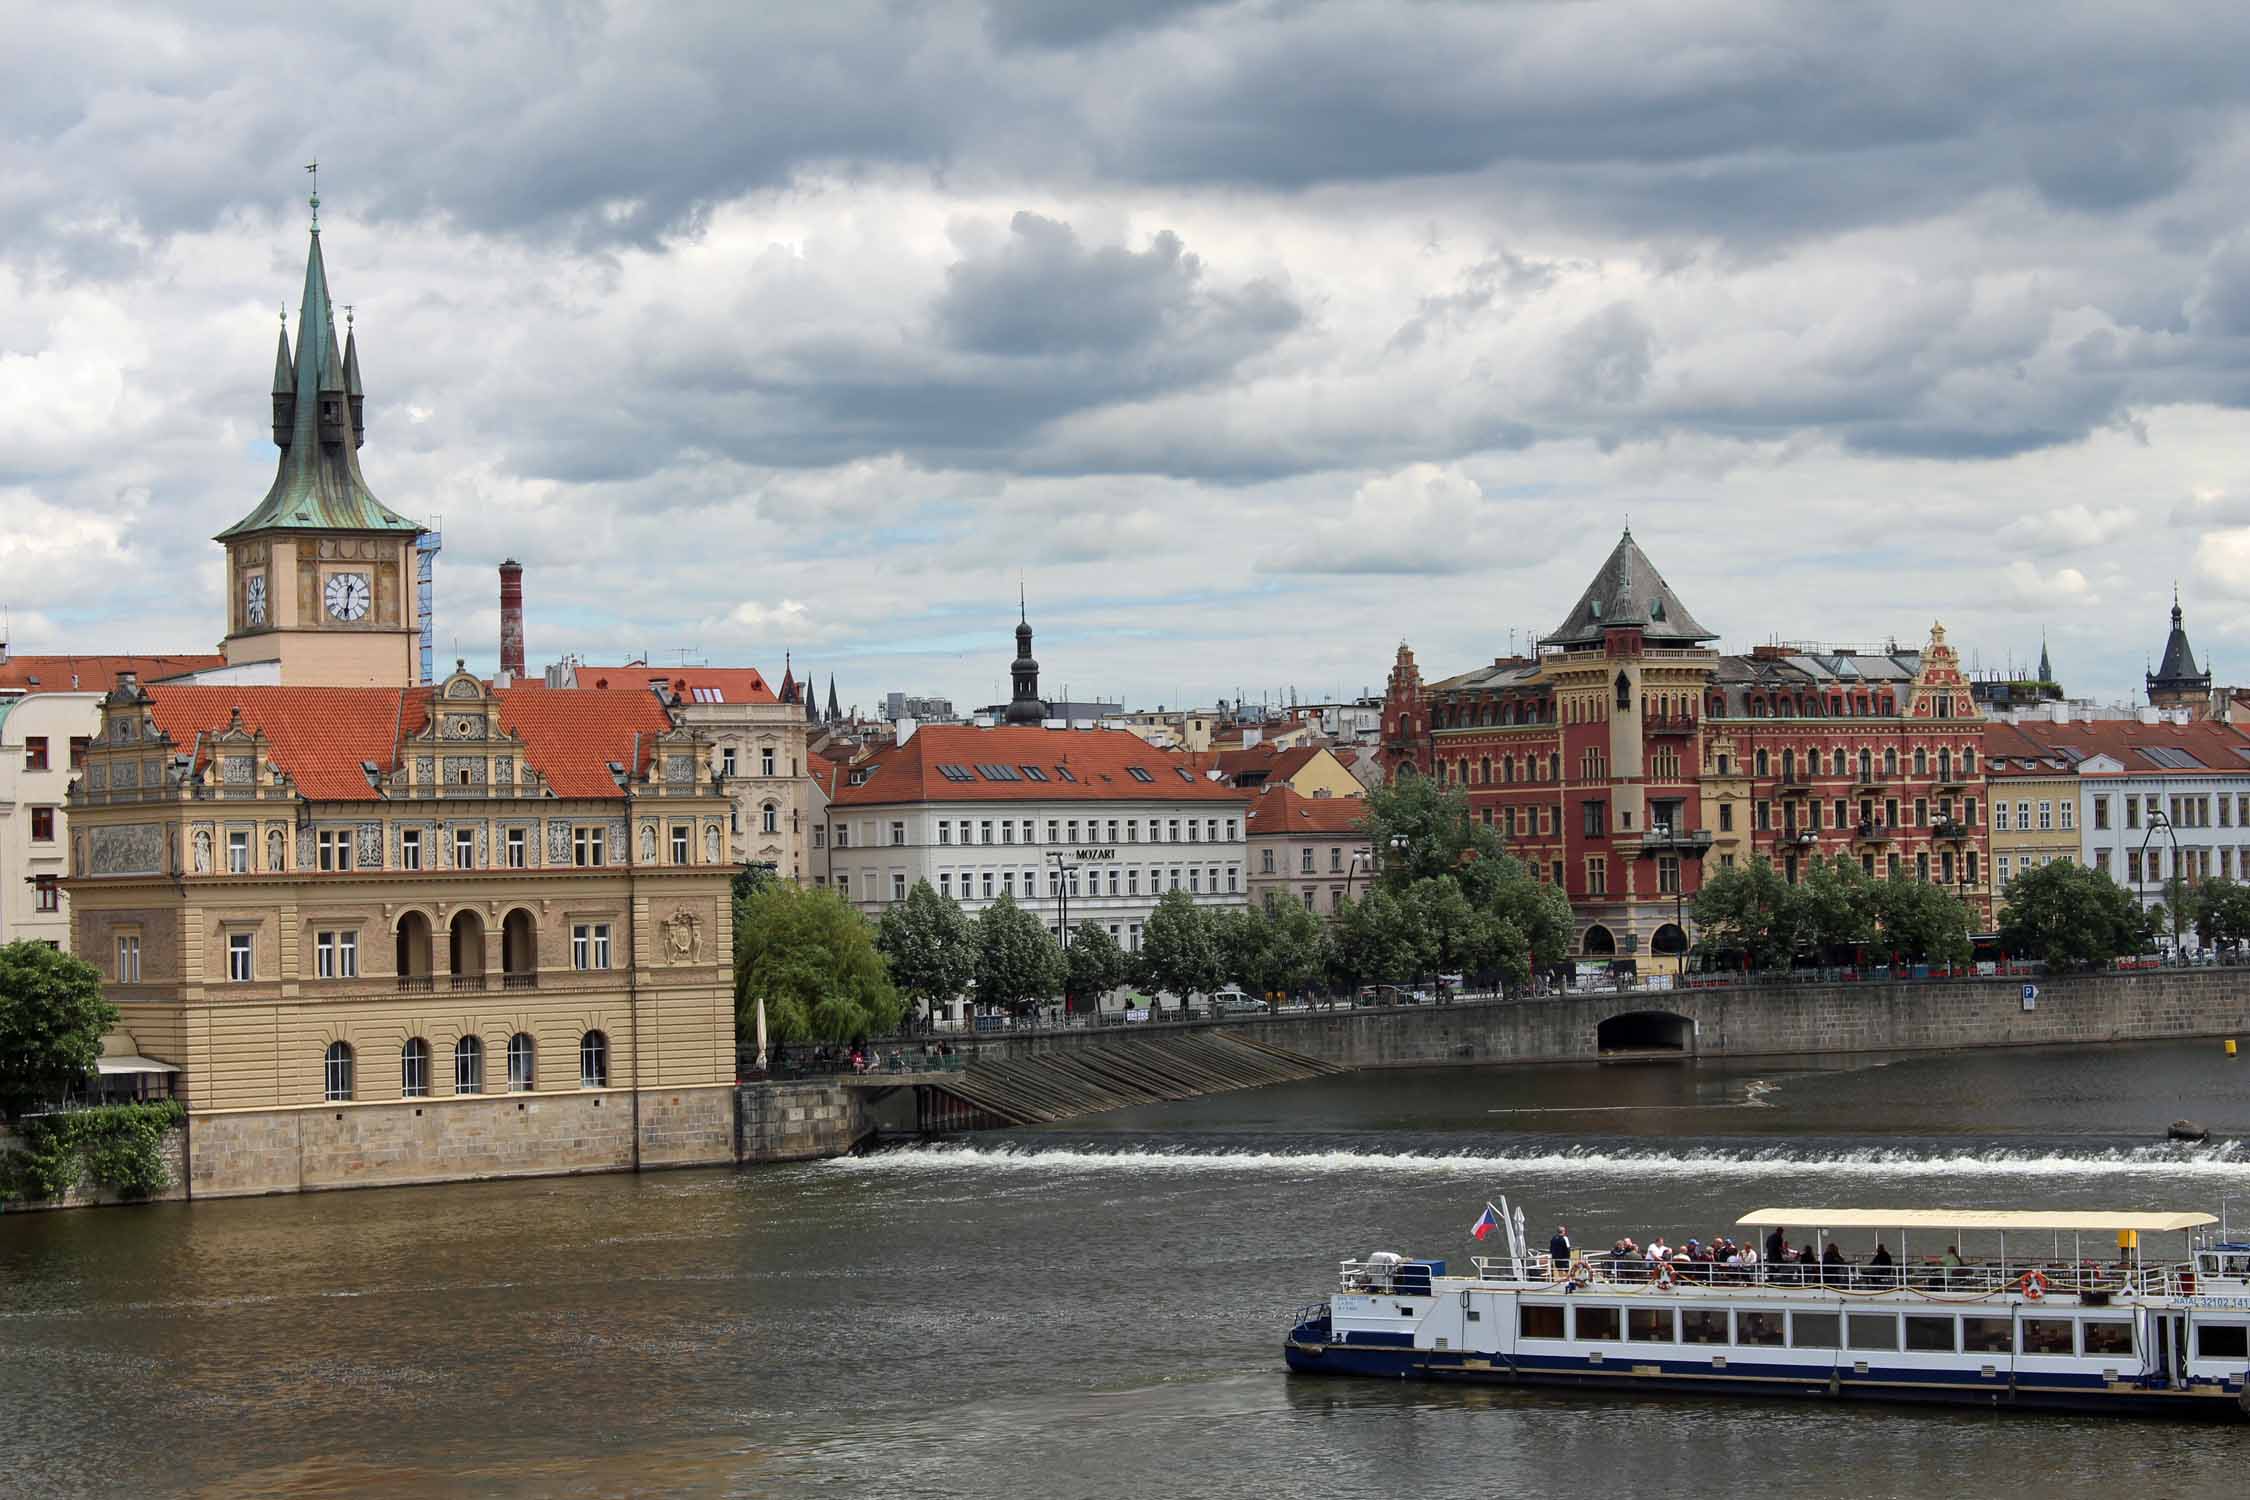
[313, 167]
[1023, 607]
[347, 317]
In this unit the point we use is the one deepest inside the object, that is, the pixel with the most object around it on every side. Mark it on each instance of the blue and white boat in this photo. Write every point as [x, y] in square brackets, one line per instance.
[2038, 1324]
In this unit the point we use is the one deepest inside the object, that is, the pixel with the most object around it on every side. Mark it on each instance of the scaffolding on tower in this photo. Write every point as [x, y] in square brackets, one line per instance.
[426, 548]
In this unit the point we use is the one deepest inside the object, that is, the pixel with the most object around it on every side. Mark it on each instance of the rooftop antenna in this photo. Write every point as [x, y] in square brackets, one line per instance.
[313, 167]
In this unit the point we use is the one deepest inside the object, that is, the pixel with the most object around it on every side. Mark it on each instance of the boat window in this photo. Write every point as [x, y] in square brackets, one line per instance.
[1928, 1335]
[1597, 1323]
[2047, 1336]
[1986, 1336]
[2106, 1336]
[1652, 1325]
[1703, 1325]
[1540, 1320]
[1873, 1330]
[1814, 1330]
[1758, 1328]
[2222, 1341]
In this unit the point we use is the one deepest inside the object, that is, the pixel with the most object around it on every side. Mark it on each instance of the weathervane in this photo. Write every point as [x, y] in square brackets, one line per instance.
[313, 167]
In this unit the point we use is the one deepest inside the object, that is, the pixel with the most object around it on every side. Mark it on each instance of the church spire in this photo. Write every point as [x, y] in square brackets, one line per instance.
[317, 426]
[284, 388]
[1024, 704]
[2046, 672]
[835, 714]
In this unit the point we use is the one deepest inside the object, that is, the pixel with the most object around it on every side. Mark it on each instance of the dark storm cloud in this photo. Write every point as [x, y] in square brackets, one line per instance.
[1073, 23]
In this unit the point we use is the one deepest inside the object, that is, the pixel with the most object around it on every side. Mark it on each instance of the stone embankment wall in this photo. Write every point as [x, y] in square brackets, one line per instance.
[800, 1121]
[1753, 1020]
[175, 1168]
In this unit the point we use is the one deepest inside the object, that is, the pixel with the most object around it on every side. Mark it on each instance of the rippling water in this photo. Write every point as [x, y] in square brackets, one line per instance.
[1092, 1311]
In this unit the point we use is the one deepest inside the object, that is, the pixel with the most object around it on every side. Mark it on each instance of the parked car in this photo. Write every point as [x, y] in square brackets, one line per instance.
[1233, 1002]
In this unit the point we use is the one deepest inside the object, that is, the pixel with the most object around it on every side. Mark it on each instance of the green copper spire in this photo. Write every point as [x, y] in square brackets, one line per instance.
[317, 426]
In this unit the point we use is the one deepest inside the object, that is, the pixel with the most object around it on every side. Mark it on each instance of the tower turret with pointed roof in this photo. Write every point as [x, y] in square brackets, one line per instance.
[835, 714]
[2176, 682]
[1024, 703]
[320, 574]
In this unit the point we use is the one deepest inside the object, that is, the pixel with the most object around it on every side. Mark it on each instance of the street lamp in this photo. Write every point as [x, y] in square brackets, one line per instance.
[1063, 871]
[1360, 858]
[2159, 822]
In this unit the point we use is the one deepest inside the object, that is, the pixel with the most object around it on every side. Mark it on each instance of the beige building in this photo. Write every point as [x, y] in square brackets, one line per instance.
[388, 931]
[1308, 770]
[1308, 849]
[757, 748]
[50, 710]
[2035, 806]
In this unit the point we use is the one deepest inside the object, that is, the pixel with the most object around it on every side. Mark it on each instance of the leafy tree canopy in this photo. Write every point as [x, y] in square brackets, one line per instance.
[1180, 946]
[52, 1016]
[1018, 964]
[812, 959]
[1095, 964]
[1750, 911]
[929, 946]
[2071, 916]
[1421, 830]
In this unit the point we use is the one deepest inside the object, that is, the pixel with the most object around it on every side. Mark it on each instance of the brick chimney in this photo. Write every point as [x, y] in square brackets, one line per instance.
[511, 619]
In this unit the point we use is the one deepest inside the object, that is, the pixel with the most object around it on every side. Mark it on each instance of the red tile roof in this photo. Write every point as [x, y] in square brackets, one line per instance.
[2214, 746]
[692, 684]
[321, 735]
[1099, 765]
[93, 674]
[1280, 812]
[1266, 761]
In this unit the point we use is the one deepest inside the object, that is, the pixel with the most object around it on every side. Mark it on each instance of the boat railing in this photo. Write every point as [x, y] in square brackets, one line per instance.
[1970, 1279]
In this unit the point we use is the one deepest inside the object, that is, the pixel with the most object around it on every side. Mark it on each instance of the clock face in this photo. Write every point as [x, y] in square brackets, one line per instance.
[347, 596]
[254, 598]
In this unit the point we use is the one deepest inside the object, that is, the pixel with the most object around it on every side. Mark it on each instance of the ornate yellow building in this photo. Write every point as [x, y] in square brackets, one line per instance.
[393, 932]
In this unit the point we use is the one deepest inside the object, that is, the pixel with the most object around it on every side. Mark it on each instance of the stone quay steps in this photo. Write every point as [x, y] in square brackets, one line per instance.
[1043, 1089]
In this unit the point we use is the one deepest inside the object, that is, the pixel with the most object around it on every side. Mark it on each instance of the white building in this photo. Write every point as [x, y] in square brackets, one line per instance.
[50, 707]
[1093, 819]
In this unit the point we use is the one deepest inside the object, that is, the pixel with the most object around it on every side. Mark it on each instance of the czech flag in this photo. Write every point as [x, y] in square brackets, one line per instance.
[1485, 1224]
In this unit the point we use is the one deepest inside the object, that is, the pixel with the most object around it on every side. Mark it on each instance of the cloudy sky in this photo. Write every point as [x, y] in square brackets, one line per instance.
[1254, 336]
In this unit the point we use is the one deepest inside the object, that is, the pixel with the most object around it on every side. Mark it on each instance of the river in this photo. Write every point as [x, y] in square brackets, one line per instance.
[1089, 1311]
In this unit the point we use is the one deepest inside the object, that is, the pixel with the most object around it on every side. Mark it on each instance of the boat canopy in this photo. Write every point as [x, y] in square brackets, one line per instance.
[2086, 1222]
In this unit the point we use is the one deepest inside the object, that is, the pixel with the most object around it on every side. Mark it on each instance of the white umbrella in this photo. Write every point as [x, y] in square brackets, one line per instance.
[761, 1031]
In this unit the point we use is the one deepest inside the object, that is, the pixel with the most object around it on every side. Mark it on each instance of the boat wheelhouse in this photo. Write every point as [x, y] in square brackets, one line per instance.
[2039, 1322]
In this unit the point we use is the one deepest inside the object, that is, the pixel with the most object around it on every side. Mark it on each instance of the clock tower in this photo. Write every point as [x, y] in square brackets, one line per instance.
[320, 576]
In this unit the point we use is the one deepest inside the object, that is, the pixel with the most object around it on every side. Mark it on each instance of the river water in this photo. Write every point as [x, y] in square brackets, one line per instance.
[1090, 1311]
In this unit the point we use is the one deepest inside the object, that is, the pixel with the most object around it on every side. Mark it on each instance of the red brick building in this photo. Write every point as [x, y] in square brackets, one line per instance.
[1629, 754]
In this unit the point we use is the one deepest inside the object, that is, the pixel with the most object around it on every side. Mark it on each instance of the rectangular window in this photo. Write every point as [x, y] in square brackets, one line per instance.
[1986, 1336]
[2047, 1336]
[338, 955]
[335, 846]
[1132, 830]
[1703, 1325]
[944, 832]
[1762, 1329]
[844, 836]
[726, 761]
[464, 848]
[589, 945]
[2000, 815]
[1668, 874]
[2222, 1341]
[2001, 861]
[1233, 873]
[35, 752]
[43, 827]
[988, 885]
[1539, 1320]
[2068, 811]
[765, 762]
[586, 846]
[1305, 862]
[129, 959]
[1597, 876]
[1195, 881]
[410, 849]
[2106, 1336]
[2101, 812]
[984, 831]
[1764, 818]
[1027, 830]
[238, 848]
[1873, 1330]
[2101, 860]
[1726, 817]
[683, 840]
[517, 848]
[1133, 881]
[945, 883]
[898, 886]
[1929, 1335]
[1650, 1325]
[46, 893]
[1591, 819]
[2046, 815]
[898, 833]
[1598, 1323]
[1808, 1330]
[239, 964]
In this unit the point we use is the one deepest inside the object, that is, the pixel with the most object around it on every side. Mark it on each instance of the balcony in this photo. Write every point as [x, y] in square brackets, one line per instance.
[467, 984]
[1800, 838]
[1951, 829]
[1873, 782]
[519, 981]
[1665, 838]
[1874, 833]
[416, 984]
[1669, 723]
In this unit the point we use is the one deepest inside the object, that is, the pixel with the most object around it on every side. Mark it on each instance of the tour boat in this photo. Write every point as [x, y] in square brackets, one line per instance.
[2040, 1324]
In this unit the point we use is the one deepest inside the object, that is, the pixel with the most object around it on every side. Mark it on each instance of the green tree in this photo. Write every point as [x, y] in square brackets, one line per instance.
[1095, 964]
[812, 959]
[1750, 912]
[1421, 830]
[1379, 940]
[2222, 915]
[2071, 916]
[2181, 911]
[1180, 947]
[1019, 964]
[1836, 904]
[1923, 921]
[1297, 945]
[52, 1016]
[1538, 911]
[927, 943]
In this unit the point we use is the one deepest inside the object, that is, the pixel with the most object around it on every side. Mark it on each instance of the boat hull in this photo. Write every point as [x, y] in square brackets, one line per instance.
[1393, 1362]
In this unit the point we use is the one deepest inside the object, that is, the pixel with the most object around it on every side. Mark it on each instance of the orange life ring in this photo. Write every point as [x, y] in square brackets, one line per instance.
[2033, 1286]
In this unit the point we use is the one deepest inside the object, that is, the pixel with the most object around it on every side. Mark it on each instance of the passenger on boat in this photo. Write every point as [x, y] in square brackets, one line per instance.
[1879, 1265]
[1834, 1269]
[1777, 1246]
[1558, 1248]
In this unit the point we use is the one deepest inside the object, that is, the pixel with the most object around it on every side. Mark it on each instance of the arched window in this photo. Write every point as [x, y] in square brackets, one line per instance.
[523, 1063]
[468, 1066]
[593, 1061]
[465, 948]
[1624, 692]
[1921, 762]
[769, 818]
[1724, 758]
[1968, 763]
[1599, 942]
[1761, 763]
[1890, 762]
[1484, 771]
[414, 1069]
[339, 1069]
[519, 951]
[1945, 765]
[1866, 766]
[414, 950]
